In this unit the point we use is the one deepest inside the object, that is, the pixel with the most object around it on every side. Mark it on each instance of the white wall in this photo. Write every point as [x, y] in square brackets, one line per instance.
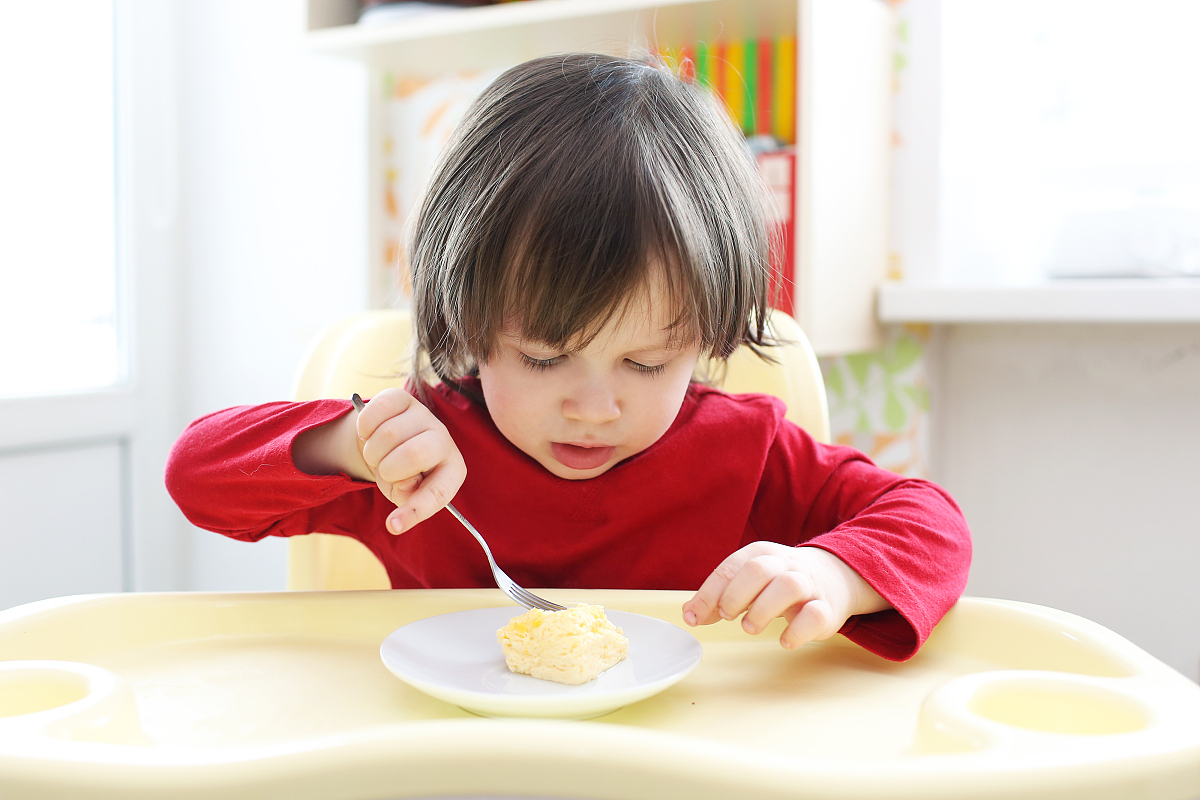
[1074, 450]
[273, 205]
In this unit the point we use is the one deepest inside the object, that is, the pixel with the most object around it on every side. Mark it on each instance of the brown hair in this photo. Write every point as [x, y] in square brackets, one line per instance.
[568, 180]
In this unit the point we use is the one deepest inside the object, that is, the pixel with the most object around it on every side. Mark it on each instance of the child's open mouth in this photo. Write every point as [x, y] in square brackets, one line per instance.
[580, 457]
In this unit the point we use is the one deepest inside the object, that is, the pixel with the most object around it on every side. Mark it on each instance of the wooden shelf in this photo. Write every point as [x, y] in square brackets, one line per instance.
[499, 35]
[843, 109]
[1133, 300]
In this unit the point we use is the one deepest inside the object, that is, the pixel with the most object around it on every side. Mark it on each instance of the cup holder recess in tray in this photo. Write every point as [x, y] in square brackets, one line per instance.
[1053, 704]
[1016, 709]
[66, 700]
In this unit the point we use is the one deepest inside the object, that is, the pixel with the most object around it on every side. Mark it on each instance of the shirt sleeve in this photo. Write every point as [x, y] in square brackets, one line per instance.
[232, 472]
[905, 536]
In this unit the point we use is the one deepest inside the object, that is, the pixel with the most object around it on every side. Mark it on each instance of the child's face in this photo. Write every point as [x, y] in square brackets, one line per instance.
[580, 412]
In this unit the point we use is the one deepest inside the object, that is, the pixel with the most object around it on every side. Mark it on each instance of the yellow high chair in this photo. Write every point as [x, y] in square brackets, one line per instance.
[368, 352]
[288, 696]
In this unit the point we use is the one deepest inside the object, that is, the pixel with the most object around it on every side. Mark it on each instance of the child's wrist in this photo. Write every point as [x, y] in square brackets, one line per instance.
[331, 449]
[861, 597]
[351, 451]
[864, 598]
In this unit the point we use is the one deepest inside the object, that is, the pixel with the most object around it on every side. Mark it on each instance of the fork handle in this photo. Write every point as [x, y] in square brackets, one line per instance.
[471, 529]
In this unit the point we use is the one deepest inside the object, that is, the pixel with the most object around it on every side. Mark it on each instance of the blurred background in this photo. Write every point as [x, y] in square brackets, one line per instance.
[190, 190]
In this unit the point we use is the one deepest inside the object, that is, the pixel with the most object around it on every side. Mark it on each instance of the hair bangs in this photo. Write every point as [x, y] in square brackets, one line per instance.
[574, 185]
[585, 252]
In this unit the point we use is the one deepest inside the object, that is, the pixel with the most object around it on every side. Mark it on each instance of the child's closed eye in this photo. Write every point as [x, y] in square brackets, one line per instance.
[656, 369]
[539, 364]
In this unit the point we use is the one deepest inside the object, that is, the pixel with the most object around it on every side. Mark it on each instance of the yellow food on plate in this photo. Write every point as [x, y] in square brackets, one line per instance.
[570, 646]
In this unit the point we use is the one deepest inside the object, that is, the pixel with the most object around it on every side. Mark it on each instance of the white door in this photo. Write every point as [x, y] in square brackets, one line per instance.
[87, 403]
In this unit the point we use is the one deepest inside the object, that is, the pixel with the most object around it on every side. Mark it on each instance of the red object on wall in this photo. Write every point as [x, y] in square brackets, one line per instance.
[778, 168]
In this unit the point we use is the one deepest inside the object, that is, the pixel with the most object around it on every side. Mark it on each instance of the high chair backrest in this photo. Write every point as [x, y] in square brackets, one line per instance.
[368, 351]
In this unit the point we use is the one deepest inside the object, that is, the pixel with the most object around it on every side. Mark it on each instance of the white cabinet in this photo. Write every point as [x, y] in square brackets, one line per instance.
[843, 106]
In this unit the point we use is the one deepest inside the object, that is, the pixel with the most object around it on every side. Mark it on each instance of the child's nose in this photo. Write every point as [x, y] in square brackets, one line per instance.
[592, 403]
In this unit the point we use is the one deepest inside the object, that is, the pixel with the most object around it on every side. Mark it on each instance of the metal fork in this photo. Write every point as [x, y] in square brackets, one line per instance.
[517, 593]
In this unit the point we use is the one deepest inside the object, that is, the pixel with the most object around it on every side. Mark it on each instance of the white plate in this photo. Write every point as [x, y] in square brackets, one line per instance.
[455, 657]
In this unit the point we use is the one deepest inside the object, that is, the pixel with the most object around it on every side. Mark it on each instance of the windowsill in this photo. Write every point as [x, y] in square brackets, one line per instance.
[1146, 300]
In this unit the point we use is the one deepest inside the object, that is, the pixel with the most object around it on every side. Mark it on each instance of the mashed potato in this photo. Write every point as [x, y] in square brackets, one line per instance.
[570, 646]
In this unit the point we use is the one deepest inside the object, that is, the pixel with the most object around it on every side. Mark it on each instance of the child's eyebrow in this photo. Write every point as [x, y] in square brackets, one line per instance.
[668, 341]
[664, 345]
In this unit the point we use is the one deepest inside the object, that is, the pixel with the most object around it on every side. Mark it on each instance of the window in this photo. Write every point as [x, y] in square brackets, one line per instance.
[59, 308]
[1070, 139]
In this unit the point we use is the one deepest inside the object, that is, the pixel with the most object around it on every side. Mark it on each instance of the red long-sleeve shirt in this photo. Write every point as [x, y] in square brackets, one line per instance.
[729, 471]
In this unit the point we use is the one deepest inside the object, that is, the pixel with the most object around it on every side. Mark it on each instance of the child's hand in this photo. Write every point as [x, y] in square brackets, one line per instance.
[410, 454]
[814, 590]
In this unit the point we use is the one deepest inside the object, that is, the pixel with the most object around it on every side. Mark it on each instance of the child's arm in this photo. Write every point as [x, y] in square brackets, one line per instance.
[814, 590]
[395, 442]
[878, 556]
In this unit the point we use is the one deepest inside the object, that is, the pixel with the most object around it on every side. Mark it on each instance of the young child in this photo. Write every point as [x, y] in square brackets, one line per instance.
[593, 229]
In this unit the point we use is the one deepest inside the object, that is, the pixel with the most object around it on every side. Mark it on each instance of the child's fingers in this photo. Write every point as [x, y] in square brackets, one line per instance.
[816, 621]
[434, 492]
[702, 609]
[399, 491]
[392, 433]
[384, 406]
[412, 455]
[417, 455]
[705, 606]
[751, 579]
[786, 590]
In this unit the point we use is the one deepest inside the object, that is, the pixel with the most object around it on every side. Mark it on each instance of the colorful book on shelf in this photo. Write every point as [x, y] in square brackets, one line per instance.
[756, 80]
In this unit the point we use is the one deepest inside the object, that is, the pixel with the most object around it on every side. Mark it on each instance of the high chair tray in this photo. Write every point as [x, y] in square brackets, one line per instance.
[284, 695]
